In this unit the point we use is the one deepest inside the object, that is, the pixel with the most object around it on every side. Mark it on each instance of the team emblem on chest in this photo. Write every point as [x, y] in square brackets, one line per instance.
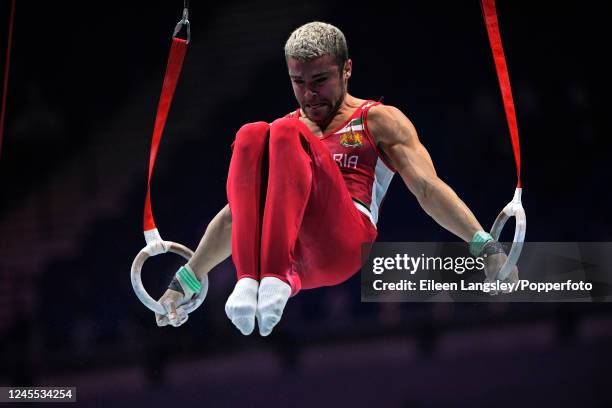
[352, 134]
[351, 139]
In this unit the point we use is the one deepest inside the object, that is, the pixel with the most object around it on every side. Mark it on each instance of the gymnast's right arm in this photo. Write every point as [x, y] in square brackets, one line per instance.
[215, 246]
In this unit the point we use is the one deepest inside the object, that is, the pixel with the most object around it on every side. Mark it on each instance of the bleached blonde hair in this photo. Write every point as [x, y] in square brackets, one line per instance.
[315, 39]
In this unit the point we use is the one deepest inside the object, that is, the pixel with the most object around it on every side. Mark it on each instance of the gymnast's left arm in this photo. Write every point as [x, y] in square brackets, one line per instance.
[398, 139]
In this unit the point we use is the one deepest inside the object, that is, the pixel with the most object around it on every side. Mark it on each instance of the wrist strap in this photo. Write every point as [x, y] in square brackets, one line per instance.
[478, 241]
[188, 280]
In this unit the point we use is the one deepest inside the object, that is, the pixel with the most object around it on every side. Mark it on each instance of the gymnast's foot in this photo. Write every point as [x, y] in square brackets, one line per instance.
[241, 305]
[273, 296]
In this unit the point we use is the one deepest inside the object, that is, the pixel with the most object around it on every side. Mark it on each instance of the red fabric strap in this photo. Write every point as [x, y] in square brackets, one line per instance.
[173, 71]
[6, 72]
[490, 16]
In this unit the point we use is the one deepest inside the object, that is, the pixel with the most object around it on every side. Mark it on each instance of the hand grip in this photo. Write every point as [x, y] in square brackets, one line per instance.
[142, 293]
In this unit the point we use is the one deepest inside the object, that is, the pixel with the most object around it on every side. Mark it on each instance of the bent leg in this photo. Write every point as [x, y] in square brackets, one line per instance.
[334, 234]
[333, 231]
[244, 184]
[312, 233]
[289, 186]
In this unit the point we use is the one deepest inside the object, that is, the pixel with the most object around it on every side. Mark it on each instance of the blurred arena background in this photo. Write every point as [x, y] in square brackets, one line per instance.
[83, 91]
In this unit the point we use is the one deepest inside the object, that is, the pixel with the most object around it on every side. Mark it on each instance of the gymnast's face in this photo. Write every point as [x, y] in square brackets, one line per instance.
[319, 86]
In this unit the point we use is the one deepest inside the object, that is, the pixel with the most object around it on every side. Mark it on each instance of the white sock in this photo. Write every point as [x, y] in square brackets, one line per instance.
[273, 296]
[241, 305]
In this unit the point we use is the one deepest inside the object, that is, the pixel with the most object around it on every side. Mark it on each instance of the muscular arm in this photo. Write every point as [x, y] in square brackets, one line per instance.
[216, 244]
[396, 135]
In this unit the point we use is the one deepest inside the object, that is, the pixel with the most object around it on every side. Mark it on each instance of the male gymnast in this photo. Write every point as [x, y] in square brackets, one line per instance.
[304, 192]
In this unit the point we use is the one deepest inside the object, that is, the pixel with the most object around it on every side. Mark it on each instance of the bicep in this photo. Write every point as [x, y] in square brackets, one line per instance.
[407, 154]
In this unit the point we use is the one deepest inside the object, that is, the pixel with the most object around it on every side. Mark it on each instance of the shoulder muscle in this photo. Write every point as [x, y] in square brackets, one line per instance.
[389, 126]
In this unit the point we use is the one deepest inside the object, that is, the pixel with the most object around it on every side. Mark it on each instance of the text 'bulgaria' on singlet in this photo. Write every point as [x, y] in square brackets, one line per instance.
[366, 173]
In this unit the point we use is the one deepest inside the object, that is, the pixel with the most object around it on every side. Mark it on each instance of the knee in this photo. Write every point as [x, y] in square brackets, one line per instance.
[284, 132]
[251, 136]
[254, 128]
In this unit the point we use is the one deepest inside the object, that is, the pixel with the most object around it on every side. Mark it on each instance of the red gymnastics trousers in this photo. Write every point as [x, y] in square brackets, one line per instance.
[292, 215]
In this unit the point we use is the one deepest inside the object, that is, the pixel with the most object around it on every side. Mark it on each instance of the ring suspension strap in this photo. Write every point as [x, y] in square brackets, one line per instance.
[155, 244]
[490, 16]
[7, 63]
[178, 49]
[514, 208]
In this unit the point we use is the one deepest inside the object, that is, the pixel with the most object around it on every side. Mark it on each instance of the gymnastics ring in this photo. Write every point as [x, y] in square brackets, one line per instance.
[155, 248]
[513, 209]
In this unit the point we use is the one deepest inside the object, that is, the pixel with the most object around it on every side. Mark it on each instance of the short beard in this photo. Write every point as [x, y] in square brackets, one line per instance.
[335, 107]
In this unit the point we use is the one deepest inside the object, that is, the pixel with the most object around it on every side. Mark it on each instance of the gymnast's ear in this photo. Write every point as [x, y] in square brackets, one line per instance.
[348, 68]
